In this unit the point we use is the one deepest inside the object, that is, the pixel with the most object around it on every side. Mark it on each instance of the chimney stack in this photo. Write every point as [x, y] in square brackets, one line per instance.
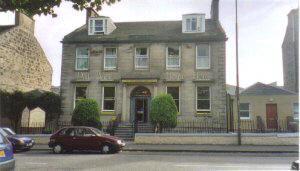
[24, 21]
[214, 11]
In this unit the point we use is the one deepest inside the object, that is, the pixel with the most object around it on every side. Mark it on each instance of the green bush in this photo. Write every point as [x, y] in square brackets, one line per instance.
[163, 113]
[86, 113]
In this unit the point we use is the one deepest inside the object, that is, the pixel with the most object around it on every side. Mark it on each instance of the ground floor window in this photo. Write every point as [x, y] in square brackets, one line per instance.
[296, 111]
[108, 99]
[174, 92]
[203, 98]
[80, 93]
[245, 110]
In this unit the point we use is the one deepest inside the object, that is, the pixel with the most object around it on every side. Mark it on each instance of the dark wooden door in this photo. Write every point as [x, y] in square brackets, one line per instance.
[271, 116]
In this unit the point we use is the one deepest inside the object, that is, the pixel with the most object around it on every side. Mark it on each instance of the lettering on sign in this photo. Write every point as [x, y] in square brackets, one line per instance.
[83, 76]
[174, 77]
[202, 76]
[103, 77]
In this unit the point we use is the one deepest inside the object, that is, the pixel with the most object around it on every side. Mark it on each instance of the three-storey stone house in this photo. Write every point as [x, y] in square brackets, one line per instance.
[124, 65]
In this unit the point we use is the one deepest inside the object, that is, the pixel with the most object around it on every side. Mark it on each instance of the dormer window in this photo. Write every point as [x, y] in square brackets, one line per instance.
[193, 23]
[97, 26]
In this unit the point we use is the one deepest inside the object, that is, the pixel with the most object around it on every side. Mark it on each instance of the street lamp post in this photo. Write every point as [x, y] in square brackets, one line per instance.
[237, 75]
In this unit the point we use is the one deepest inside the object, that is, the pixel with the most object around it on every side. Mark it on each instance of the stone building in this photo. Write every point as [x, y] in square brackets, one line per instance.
[123, 65]
[290, 52]
[23, 64]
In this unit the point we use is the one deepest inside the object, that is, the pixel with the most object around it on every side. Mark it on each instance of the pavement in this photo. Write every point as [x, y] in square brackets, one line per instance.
[130, 146]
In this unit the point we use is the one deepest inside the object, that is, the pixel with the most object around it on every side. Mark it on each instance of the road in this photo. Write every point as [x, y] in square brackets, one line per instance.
[143, 161]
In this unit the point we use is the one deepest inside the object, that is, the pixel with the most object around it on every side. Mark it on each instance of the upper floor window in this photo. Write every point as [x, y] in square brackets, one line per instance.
[203, 98]
[141, 58]
[245, 110]
[96, 26]
[296, 111]
[173, 57]
[191, 24]
[110, 59]
[108, 99]
[203, 56]
[82, 59]
[80, 93]
[174, 92]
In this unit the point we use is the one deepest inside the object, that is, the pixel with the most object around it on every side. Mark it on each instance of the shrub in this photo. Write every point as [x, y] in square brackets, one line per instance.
[163, 113]
[86, 113]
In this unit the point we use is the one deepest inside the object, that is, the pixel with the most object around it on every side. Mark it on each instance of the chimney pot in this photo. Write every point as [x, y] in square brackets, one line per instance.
[214, 11]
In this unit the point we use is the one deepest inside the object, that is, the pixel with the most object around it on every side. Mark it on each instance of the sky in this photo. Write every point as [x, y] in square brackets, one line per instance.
[262, 25]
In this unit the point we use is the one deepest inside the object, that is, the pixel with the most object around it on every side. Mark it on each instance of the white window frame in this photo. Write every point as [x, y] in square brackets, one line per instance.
[91, 26]
[179, 96]
[295, 118]
[82, 57]
[111, 57]
[203, 110]
[74, 98]
[249, 117]
[188, 25]
[209, 56]
[141, 56]
[102, 106]
[173, 67]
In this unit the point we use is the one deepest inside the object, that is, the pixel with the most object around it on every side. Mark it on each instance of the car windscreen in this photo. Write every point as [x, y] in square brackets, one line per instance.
[3, 132]
[3, 139]
[9, 131]
[97, 131]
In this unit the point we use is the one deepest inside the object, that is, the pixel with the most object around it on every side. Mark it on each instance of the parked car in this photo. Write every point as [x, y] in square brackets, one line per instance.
[7, 161]
[84, 138]
[18, 142]
[295, 165]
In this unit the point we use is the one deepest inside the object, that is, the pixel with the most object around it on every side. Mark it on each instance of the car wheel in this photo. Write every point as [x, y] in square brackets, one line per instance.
[57, 149]
[106, 148]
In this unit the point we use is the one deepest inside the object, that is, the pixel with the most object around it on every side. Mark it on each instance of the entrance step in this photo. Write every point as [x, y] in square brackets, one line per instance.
[125, 132]
[145, 128]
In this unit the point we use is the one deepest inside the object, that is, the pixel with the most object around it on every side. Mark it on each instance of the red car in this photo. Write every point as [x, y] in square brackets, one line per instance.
[84, 138]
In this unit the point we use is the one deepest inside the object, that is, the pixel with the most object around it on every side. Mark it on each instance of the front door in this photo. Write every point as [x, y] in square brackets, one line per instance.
[271, 116]
[141, 110]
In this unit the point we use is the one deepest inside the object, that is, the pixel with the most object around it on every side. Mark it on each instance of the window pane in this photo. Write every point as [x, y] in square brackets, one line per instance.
[202, 62]
[188, 24]
[244, 114]
[193, 24]
[173, 51]
[142, 62]
[98, 23]
[81, 92]
[203, 50]
[109, 104]
[109, 92]
[173, 91]
[203, 93]
[296, 108]
[111, 51]
[173, 61]
[110, 62]
[244, 106]
[82, 63]
[82, 52]
[203, 104]
[141, 51]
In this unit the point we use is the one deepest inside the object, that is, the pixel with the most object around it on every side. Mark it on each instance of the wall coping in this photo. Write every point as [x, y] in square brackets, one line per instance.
[218, 134]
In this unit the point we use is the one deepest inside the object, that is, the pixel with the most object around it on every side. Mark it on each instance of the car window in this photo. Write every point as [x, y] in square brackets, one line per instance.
[3, 139]
[70, 132]
[9, 131]
[79, 132]
[97, 131]
[62, 132]
[88, 132]
[3, 132]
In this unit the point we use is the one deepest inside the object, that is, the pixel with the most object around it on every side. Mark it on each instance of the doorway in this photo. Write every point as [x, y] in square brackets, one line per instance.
[271, 116]
[140, 104]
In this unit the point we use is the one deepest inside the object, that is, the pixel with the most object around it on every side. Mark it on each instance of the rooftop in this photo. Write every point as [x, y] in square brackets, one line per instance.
[265, 89]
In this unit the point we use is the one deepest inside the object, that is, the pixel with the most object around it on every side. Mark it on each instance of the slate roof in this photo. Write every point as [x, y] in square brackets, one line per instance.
[151, 31]
[230, 89]
[264, 89]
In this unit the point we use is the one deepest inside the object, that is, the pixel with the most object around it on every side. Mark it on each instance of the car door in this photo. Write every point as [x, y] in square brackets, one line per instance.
[91, 140]
[66, 138]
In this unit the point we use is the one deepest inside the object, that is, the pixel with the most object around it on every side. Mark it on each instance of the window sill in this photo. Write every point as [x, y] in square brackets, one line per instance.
[107, 112]
[203, 113]
[244, 118]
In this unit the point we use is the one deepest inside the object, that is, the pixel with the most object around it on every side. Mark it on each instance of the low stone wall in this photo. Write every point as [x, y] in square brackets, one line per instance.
[218, 139]
[40, 139]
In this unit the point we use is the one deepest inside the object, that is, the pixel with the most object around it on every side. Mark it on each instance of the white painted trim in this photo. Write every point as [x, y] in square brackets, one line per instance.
[174, 67]
[74, 94]
[116, 57]
[246, 118]
[146, 56]
[76, 57]
[93, 32]
[209, 56]
[179, 96]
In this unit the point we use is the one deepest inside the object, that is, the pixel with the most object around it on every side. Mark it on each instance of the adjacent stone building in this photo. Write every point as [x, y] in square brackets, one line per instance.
[23, 64]
[290, 52]
[124, 65]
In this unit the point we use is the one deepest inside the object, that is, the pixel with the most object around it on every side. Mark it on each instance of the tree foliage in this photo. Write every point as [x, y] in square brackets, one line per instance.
[163, 112]
[32, 7]
[86, 113]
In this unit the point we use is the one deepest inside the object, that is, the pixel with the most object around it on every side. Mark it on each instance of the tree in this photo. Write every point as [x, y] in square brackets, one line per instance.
[17, 104]
[86, 113]
[51, 104]
[163, 113]
[32, 7]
